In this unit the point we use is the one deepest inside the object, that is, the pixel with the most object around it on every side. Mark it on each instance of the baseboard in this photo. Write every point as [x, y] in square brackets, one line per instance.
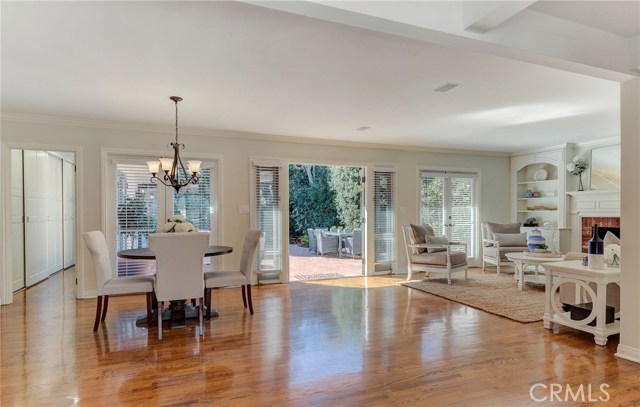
[628, 353]
[89, 294]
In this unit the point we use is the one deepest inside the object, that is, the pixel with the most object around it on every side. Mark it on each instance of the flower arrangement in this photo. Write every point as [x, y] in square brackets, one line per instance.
[578, 165]
[612, 255]
[177, 224]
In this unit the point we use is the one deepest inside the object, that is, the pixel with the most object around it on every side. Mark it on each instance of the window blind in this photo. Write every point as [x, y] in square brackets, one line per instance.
[463, 213]
[432, 202]
[384, 219]
[269, 216]
[194, 201]
[136, 207]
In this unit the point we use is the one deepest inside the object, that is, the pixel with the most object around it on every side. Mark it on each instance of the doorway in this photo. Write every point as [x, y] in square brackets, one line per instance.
[326, 206]
[43, 214]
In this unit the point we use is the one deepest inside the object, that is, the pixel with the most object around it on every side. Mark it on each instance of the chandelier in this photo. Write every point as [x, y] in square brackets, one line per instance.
[172, 167]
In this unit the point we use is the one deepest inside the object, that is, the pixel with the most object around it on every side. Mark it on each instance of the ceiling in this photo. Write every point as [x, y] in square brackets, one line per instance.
[247, 68]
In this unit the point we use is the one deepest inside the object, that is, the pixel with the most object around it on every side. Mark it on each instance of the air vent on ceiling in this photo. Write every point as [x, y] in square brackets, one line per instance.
[363, 128]
[447, 87]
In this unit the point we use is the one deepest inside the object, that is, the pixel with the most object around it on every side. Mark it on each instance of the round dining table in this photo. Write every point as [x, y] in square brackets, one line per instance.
[179, 310]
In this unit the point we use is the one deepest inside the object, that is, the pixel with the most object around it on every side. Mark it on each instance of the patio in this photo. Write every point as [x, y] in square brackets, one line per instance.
[308, 266]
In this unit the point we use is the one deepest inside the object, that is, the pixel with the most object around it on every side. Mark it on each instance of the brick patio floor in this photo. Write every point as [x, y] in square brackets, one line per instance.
[305, 266]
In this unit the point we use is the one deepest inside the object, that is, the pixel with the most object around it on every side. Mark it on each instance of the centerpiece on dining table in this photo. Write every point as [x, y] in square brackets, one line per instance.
[177, 224]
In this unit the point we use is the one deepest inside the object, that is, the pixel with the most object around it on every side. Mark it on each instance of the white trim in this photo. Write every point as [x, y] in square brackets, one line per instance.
[628, 353]
[384, 169]
[266, 162]
[233, 135]
[5, 272]
[107, 156]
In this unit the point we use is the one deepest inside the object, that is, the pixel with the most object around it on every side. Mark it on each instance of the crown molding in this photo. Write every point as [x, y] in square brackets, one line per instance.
[229, 134]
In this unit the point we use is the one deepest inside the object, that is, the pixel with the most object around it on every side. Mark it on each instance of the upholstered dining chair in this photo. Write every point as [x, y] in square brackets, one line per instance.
[106, 283]
[179, 263]
[241, 277]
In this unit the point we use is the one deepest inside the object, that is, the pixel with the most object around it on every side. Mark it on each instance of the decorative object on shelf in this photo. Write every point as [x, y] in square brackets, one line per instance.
[577, 167]
[595, 250]
[528, 193]
[536, 242]
[177, 224]
[537, 194]
[173, 167]
[612, 255]
[530, 222]
[540, 175]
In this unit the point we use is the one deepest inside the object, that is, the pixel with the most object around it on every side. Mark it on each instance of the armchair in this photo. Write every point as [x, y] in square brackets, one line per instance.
[326, 244]
[433, 254]
[498, 239]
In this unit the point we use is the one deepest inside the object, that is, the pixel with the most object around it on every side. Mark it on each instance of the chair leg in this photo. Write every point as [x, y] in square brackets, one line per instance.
[409, 273]
[244, 297]
[105, 305]
[207, 301]
[149, 309]
[466, 269]
[159, 320]
[498, 268]
[200, 309]
[98, 312]
[249, 298]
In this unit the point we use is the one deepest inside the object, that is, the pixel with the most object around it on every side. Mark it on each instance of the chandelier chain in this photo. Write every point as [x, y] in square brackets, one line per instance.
[176, 121]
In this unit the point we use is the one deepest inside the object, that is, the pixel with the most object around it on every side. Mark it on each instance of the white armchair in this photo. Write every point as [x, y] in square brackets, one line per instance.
[433, 254]
[498, 239]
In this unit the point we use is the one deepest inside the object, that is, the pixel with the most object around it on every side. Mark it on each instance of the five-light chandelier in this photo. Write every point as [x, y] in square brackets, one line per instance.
[173, 166]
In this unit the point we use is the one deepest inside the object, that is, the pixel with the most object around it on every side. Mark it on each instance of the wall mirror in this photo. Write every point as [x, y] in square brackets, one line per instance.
[605, 167]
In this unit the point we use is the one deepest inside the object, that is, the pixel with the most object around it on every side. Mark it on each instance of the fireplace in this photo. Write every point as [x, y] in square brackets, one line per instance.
[605, 224]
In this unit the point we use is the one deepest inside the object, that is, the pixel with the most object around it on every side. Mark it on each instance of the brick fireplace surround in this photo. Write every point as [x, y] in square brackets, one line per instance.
[588, 222]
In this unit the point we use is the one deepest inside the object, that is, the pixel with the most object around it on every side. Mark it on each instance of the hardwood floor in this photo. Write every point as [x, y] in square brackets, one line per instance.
[328, 343]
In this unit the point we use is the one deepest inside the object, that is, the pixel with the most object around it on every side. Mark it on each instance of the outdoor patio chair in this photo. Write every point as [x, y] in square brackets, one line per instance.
[353, 244]
[313, 243]
[326, 244]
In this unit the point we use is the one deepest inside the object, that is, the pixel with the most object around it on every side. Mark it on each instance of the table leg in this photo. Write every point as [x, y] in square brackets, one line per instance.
[520, 272]
[548, 297]
[601, 303]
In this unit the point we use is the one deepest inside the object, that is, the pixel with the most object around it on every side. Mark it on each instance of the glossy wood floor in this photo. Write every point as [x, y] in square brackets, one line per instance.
[350, 342]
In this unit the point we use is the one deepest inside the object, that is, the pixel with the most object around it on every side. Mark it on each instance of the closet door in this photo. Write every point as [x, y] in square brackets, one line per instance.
[17, 220]
[35, 205]
[54, 214]
[69, 213]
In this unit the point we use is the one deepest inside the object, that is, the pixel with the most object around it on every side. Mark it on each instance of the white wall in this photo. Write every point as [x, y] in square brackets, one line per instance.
[236, 149]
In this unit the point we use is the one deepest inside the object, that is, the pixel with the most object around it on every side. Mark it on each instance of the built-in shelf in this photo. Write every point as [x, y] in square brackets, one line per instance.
[537, 210]
[547, 181]
[540, 198]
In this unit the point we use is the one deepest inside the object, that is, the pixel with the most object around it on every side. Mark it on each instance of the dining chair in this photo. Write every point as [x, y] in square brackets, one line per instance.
[242, 277]
[179, 263]
[106, 283]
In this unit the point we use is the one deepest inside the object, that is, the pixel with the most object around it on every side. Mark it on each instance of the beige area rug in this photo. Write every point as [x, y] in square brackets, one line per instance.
[498, 295]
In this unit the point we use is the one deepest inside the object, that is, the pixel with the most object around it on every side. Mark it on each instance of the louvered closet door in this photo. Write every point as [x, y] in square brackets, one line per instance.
[448, 204]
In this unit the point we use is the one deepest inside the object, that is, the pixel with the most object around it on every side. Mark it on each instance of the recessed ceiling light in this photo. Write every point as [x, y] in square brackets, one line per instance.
[447, 87]
[363, 128]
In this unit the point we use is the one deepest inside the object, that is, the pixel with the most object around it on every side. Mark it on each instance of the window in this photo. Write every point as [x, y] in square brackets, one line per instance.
[384, 218]
[268, 212]
[141, 205]
[448, 204]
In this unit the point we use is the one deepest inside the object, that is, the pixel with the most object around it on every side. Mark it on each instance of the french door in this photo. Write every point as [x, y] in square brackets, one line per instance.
[448, 204]
[140, 206]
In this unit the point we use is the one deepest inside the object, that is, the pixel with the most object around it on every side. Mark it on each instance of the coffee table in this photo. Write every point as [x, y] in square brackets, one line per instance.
[522, 259]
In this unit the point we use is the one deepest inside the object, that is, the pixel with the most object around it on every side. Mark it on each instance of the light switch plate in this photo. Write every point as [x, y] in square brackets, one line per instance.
[243, 208]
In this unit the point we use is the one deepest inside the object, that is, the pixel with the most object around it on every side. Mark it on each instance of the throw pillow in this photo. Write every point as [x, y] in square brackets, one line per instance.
[419, 234]
[436, 240]
[511, 239]
[610, 238]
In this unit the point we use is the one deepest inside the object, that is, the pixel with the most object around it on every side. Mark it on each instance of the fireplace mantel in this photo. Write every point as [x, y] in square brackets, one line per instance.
[595, 203]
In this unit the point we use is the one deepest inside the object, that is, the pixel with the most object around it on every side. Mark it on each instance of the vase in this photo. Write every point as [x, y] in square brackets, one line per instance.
[595, 250]
[535, 239]
[580, 187]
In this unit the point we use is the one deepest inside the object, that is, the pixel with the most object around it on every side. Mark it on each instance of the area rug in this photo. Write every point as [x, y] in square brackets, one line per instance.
[325, 276]
[497, 294]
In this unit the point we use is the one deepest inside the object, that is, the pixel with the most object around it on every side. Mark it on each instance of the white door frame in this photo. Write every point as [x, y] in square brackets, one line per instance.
[6, 270]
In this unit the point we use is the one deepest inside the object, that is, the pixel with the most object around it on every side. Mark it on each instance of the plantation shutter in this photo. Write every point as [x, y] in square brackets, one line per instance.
[384, 218]
[268, 211]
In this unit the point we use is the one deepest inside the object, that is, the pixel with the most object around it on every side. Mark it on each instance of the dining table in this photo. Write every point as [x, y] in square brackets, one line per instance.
[180, 310]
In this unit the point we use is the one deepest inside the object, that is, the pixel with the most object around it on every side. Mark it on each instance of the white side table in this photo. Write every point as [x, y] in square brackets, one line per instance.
[522, 260]
[575, 272]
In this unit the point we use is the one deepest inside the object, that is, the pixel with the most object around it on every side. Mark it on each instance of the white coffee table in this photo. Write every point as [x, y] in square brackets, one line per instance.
[521, 260]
